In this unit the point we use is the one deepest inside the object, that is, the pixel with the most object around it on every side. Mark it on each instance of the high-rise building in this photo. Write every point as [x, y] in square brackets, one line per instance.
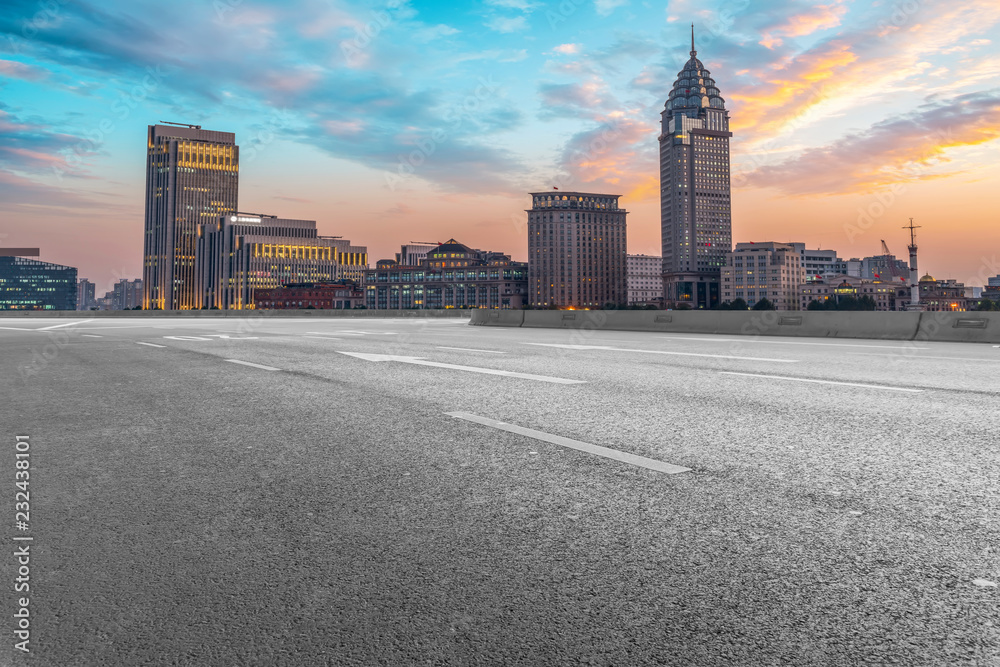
[576, 250]
[192, 178]
[695, 204]
[239, 254]
[127, 294]
[452, 275]
[885, 267]
[644, 276]
[86, 297]
[30, 284]
[755, 271]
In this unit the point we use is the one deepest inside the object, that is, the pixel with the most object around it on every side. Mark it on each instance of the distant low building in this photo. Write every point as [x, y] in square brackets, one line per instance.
[886, 268]
[941, 295]
[819, 264]
[766, 270]
[30, 284]
[86, 297]
[886, 295]
[321, 296]
[644, 277]
[451, 276]
[127, 294]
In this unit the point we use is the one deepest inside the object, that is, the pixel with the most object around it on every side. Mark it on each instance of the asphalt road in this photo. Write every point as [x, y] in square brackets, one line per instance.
[320, 508]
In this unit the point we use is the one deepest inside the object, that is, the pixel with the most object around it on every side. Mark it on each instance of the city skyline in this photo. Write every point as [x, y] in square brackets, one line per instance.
[392, 122]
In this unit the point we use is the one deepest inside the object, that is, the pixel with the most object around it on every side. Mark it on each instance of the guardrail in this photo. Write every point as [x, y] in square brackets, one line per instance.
[449, 312]
[976, 327]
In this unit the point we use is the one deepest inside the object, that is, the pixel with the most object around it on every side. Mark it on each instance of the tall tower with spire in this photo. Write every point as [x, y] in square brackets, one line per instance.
[695, 213]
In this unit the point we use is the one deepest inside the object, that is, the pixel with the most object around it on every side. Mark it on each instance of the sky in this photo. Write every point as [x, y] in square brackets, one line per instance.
[399, 121]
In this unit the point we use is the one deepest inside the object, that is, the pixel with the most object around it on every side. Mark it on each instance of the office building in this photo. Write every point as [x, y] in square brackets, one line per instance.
[820, 264]
[755, 271]
[411, 254]
[576, 250]
[192, 178]
[695, 201]
[127, 294]
[239, 254]
[886, 268]
[644, 278]
[86, 297]
[335, 295]
[451, 276]
[30, 284]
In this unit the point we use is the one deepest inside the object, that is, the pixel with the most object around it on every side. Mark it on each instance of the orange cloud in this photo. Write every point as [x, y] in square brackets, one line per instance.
[820, 17]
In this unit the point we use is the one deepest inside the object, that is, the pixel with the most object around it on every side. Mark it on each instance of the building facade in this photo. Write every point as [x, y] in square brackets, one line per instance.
[695, 201]
[886, 268]
[127, 294]
[336, 295]
[886, 295]
[411, 254]
[86, 295]
[940, 295]
[452, 276]
[30, 284]
[576, 250]
[820, 264]
[644, 276]
[240, 254]
[755, 271]
[192, 178]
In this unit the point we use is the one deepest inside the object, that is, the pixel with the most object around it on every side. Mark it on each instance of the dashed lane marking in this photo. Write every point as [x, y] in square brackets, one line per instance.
[597, 450]
[91, 336]
[247, 363]
[139, 342]
[469, 349]
[65, 324]
[845, 384]
[675, 354]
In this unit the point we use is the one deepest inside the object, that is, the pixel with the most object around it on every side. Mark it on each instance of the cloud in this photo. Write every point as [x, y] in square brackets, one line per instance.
[605, 7]
[522, 5]
[911, 148]
[567, 49]
[819, 17]
[574, 100]
[503, 24]
[18, 70]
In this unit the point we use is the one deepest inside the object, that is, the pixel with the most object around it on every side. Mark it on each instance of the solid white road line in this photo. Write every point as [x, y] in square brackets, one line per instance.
[92, 336]
[624, 457]
[247, 363]
[419, 361]
[846, 384]
[335, 333]
[139, 342]
[67, 324]
[469, 349]
[676, 354]
[20, 329]
[918, 357]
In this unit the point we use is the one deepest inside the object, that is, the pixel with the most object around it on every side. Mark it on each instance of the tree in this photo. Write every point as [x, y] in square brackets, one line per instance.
[867, 303]
[988, 305]
[739, 304]
[818, 305]
[682, 306]
[764, 304]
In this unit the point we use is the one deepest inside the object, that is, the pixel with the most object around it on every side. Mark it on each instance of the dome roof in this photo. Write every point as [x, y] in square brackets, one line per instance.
[694, 88]
[928, 278]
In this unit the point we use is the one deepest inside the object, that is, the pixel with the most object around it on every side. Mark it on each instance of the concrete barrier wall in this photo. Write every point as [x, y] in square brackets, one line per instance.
[954, 327]
[86, 314]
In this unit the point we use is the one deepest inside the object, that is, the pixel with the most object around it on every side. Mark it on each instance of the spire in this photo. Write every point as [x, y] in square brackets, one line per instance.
[693, 52]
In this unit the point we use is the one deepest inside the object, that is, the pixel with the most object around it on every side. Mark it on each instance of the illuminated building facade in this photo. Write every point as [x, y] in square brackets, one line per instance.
[30, 284]
[576, 250]
[695, 202]
[240, 254]
[192, 178]
[644, 275]
[452, 276]
[886, 295]
[337, 295]
[755, 271]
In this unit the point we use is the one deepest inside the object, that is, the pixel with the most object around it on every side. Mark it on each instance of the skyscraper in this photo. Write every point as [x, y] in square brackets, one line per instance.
[30, 284]
[576, 250]
[695, 213]
[192, 177]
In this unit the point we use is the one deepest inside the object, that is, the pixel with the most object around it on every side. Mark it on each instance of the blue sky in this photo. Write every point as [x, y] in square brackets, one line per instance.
[395, 121]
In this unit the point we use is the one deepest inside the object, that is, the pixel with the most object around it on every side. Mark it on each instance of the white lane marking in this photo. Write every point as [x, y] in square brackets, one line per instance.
[846, 384]
[918, 357]
[677, 354]
[624, 457]
[419, 361]
[469, 349]
[247, 363]
[322, 337]
[67, 324]
[91, 336]
[20, 329]
[336, 333]
[750, 339]
[139, 342]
